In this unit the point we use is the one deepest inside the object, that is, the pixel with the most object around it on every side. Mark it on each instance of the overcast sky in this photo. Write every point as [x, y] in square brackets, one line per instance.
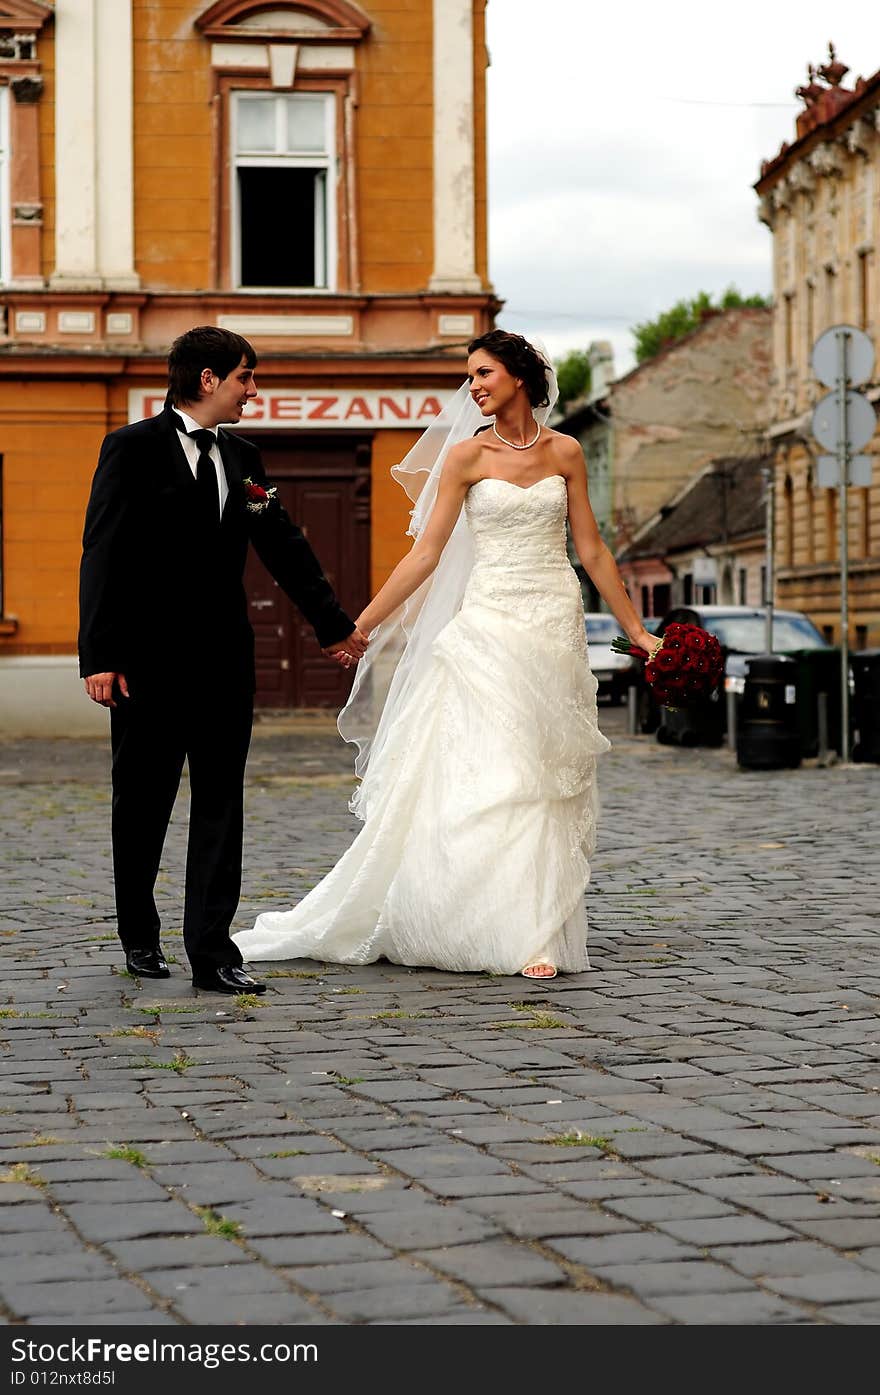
[624, 140]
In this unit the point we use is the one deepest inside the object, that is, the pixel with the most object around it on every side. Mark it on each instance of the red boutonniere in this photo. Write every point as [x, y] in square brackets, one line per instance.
[258, 497]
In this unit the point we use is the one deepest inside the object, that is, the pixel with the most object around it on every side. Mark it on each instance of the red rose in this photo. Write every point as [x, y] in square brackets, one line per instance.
[688, 667]
[257, 493]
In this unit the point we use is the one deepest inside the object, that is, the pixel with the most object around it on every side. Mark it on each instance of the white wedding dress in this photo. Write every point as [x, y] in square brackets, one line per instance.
[475, 853]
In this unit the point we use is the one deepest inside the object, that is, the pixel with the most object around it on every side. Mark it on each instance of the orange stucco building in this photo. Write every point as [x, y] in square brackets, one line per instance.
[310, 174]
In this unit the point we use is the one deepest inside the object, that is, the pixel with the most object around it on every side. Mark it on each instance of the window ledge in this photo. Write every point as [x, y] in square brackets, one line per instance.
[8, 625]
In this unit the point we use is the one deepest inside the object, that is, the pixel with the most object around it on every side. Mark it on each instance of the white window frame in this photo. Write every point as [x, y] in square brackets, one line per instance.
[325, 218]
[5, 206]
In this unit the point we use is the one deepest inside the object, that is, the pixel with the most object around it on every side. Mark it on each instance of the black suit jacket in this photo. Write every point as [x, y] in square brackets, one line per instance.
[161, 591]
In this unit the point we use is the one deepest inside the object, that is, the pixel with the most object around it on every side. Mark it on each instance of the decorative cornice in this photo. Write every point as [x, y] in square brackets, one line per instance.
[340, 21]
[766, 211]
[858, 137]
[802, 178]
[28, 213]
[27, 89]
[780, 194]
[26, 15]
[826, 159]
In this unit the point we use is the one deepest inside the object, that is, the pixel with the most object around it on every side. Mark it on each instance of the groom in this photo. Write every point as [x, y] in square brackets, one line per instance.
[165, 642]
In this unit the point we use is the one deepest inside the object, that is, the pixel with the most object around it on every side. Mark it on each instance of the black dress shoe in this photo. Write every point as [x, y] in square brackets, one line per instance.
[227, 978]
[147, 963]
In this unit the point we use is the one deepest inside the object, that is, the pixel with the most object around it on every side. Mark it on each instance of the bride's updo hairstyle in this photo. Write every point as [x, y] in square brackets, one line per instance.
[519, 358]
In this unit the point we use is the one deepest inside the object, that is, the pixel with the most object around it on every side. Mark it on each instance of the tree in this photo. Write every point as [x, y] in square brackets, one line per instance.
[685, 315]
[573, 372]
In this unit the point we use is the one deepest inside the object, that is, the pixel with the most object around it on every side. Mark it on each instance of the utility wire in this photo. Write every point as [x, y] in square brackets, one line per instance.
[712, 102]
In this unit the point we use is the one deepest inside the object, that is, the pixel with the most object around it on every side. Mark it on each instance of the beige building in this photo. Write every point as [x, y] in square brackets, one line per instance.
[819, 197]
[701, 398]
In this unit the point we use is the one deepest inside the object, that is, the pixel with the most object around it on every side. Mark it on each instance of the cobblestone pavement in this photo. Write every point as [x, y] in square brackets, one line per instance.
[690, 1133]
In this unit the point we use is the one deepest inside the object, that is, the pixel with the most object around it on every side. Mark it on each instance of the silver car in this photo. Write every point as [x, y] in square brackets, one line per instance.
[614, 672]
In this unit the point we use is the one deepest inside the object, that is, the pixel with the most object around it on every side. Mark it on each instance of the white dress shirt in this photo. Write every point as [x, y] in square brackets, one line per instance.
[192, 453]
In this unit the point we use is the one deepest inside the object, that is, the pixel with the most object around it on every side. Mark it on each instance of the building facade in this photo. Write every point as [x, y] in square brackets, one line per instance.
[820, 198]
[706, 546]
[647, 435]
[311, 174]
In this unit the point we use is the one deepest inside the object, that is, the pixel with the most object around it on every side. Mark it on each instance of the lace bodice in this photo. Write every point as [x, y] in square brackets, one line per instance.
[521, 561]
[518, 527]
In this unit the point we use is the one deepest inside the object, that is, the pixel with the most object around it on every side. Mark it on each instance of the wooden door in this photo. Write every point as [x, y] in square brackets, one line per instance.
[324, 484]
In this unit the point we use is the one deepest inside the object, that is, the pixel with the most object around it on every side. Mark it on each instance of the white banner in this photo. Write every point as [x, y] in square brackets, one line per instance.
[314, 409]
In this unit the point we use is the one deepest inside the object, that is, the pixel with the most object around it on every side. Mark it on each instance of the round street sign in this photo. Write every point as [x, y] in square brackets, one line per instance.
[827, 424]
[859, 356]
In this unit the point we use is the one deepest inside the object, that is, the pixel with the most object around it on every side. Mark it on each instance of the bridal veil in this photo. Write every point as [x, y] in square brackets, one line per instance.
[400, 647]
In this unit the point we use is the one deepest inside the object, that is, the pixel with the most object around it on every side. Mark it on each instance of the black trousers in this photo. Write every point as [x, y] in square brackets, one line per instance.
[151, 736]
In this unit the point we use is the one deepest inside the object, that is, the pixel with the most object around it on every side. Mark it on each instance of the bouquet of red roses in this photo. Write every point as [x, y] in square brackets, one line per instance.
[685, 666]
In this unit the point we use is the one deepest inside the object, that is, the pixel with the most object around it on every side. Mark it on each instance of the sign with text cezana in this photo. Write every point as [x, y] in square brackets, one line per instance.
[319, 409]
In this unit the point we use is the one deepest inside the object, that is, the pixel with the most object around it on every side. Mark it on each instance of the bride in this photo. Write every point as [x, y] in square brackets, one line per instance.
[474, 709]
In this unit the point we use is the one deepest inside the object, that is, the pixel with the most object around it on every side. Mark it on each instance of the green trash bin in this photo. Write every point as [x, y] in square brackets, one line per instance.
[766, 730]
[818, 671]
[866, 704]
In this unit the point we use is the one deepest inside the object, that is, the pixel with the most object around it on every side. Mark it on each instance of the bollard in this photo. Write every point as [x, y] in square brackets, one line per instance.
[632, 710]
[731, 719]
[822, 724]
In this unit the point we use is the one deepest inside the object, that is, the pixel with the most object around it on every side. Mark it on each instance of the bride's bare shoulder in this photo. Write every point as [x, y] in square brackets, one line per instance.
[463, 458]
[566, 449]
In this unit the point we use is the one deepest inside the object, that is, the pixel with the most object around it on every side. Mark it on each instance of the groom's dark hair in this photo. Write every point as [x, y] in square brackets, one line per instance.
[206, 346]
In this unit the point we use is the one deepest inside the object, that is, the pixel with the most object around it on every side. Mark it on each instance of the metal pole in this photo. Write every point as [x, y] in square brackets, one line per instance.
[769, 540]
[731, 719]
[843, 456]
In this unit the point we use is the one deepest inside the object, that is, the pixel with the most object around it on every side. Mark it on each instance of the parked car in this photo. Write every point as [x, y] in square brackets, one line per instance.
[741, 631]
[613, 672]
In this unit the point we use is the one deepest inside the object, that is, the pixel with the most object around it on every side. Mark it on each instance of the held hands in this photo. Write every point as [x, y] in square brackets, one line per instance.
[346, 652]
[99, 687]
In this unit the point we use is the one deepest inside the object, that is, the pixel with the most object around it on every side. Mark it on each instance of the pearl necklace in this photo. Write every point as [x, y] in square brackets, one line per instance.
[512, 444]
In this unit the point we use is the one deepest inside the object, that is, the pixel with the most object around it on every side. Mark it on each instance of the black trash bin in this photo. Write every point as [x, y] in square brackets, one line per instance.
[767, 735]
[701, 724]
[818, 671]
[866, 704]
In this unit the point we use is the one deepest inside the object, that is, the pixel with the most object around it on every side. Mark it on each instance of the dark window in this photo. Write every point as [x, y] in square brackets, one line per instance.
[662, 598]
[282, 223]
[283, 232]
